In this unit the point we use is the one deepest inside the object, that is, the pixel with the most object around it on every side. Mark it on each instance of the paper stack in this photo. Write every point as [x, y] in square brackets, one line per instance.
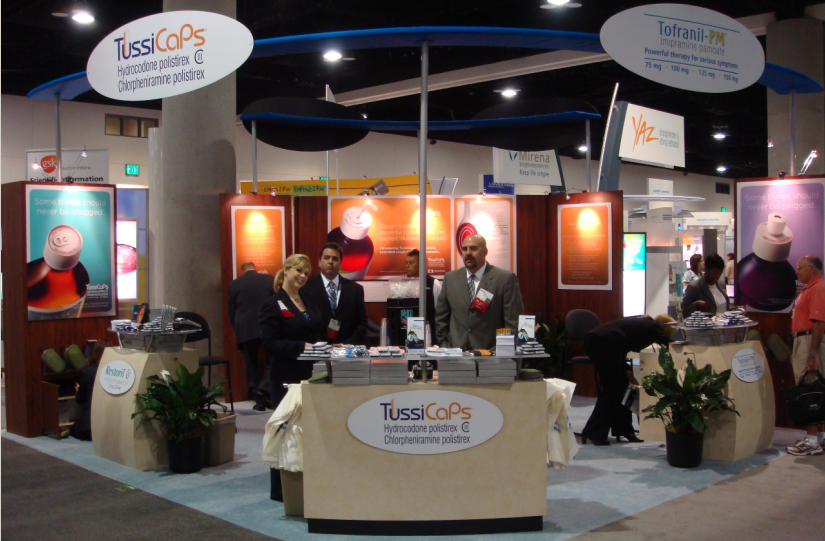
[387, 351]
[496, 370]
[505, 345]
[531, 347]
[456, 372]
[389, 372]
[441, 353]
[350, 372]
[318, 349]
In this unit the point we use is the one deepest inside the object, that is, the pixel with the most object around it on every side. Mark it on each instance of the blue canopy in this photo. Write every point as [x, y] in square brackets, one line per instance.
[782, 80]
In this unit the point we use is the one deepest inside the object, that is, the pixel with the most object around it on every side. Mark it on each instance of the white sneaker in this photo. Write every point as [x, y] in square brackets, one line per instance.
[804, 447]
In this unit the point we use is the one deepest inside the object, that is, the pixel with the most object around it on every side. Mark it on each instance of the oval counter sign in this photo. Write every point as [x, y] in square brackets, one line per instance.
[168, 54]
[425, 422]
[685, 47]
[117, 377]
[748, 365]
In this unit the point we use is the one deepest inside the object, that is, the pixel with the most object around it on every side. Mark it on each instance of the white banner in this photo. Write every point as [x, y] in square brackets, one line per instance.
[81, 165]
[684, 47]
[653, 137]
[168, 54]
[425, 422]
[658, 186]
[513, 167]
[117, 377]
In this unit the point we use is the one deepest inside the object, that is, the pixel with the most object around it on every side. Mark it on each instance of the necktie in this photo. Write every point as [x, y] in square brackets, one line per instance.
[471, 286]
[332, 293]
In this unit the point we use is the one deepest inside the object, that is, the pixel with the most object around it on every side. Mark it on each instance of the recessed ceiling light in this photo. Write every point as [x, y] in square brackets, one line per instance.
[719, 136]
[364, 115]
[558, 2]
[332, 56]
[509, 92]
[82, 16]
[555, 4]
[583, 148]
[721, 168]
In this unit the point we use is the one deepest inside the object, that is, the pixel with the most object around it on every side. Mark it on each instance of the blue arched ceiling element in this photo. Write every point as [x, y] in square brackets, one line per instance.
[782, 80]
[68, 87]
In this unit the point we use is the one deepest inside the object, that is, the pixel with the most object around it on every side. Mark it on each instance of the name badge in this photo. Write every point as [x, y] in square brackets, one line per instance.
[332, 330]
[284, 310]
[482, 300]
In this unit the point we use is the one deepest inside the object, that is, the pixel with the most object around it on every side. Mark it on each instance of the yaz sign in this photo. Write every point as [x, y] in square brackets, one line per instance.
[425, 422]
[168, 54]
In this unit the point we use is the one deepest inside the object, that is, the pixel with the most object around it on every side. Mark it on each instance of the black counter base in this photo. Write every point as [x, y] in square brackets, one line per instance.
[425, 527]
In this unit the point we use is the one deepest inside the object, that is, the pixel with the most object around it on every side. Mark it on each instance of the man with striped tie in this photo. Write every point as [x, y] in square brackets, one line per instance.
[341, 301]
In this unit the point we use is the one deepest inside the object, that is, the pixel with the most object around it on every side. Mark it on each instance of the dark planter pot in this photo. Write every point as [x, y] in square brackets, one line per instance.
[185, 456]
[684, 450]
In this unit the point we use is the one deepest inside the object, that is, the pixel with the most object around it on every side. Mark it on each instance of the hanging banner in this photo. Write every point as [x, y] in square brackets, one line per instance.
[258, 236]
[296, 188]
[126, 234]
[78, 165]
[585, 245]
[777, 222]
[70, 252]
[653, 137]
[376, 233]
[168, 54]
[539, 168]
[494, 218]
[488, 185]
[684, 47]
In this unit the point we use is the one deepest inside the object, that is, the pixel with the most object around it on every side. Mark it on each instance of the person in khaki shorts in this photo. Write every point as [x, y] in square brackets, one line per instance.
[808, 348]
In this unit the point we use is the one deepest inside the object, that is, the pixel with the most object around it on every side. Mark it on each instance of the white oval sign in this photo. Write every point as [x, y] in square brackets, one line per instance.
[748, 365]
[425, 422]
[117, 377]
[685, 47]
[168, 54]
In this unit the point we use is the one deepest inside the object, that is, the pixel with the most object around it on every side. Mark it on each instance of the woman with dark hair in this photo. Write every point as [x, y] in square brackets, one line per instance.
[82, 428]
[706, 293]
[695, 271]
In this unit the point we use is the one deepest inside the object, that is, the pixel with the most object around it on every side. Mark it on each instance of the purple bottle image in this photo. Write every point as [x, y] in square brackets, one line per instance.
[765, 279]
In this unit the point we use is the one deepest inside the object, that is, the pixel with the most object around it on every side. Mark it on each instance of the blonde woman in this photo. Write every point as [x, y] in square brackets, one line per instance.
[289, 323]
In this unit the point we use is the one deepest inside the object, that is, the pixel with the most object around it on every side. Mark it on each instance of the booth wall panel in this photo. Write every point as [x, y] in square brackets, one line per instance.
[231, 352]
[311, 228]
[532, 233]
[25, 340]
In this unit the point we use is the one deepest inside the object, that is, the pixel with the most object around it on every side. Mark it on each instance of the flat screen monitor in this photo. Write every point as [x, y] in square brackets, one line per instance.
[634, 269]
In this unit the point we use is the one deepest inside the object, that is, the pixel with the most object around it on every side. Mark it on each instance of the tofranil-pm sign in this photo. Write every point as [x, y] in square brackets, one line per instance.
[168, 54]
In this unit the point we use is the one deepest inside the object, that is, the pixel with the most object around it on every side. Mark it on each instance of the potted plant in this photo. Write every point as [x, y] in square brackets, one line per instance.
[181, 406]
[686, 397]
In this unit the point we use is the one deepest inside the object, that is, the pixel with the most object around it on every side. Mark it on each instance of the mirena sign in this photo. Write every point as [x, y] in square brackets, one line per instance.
[168, 54]
[425, 422]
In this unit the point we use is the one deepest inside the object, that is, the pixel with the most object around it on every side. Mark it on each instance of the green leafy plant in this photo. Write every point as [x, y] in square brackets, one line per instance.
[553, 337]
[686, 396]
[181, 405]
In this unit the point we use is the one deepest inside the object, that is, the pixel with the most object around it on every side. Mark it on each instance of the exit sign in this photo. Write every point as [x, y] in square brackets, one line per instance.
[724, 209]
[132, 170]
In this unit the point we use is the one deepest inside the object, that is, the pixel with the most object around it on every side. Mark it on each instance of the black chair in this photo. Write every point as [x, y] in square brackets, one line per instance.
[210, 360]
[577, 324]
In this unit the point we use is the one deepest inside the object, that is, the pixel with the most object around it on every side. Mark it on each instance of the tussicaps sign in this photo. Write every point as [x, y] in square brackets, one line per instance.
[168, 54]
[684, 47]
[425, 422]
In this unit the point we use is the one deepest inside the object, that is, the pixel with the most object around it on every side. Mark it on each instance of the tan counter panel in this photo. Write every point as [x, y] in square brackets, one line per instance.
[504, 477]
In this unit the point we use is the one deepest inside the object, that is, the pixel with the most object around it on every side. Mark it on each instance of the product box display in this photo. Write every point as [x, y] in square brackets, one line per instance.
[526, 329]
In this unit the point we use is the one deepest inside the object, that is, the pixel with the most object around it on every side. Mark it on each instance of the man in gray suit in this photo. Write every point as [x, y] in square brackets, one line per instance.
[476, 300]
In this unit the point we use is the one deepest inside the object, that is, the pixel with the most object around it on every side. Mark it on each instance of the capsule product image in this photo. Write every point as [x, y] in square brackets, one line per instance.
[353, 238]
[767, 281]
[57, 282]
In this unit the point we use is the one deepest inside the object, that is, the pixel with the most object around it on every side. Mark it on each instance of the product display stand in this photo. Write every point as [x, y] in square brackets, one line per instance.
[116, 436]
[729, 437]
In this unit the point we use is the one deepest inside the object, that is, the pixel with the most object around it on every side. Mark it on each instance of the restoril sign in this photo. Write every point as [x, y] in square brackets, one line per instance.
[652, 137]
[748, 365]
[684, 47]
[168, 54]
[117, 377]
[425, 422]
[79, 165]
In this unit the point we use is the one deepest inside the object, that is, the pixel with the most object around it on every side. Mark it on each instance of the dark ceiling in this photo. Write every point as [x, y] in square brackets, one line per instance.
[37, 48]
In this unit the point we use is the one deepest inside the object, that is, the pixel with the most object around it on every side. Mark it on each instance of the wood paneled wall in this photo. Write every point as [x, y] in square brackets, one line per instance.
[231, 353]
[26, 340]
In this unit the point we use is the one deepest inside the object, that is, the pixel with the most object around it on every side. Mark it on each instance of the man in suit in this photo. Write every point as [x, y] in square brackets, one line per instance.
[433, 286]
[246, 295]
[341, 300]
[476, 300]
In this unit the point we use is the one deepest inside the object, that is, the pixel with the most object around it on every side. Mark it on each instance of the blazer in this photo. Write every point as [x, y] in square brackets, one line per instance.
[614, 340]
[283, 336]
[459, 325]
[351, 311]
[246, 295]
[82, 428]
[700, 291]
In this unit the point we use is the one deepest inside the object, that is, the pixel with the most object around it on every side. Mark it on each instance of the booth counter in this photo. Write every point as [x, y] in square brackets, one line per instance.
[729, 437]
[117, 436]
[495, 486]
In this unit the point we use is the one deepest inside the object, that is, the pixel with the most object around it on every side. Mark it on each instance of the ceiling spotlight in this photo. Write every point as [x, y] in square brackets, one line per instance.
[364, 115]
[509, 92]
[558, 2]
[721, 168]
[332, 56]
[81, 14]
[583, 148]
[35, 166]
[554, 4]
[770, 143]
[83, 154]
[719, 136]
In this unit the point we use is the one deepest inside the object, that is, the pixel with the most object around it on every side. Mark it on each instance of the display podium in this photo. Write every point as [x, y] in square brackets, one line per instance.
[729, 437]
[117, 436]
[497, 486]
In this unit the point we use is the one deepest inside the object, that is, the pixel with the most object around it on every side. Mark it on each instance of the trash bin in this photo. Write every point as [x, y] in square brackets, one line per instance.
[219, 443]
[292, 484]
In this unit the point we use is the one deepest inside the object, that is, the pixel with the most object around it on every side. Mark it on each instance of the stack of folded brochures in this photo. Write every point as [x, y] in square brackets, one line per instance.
[531, 347]
[496, 370]
[456, 371]
[350, 371]
[389, 372]
[318, 349]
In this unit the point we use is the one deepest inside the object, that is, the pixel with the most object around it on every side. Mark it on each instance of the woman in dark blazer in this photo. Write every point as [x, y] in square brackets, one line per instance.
[289, 323]
[82, 428]
[706, 293]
